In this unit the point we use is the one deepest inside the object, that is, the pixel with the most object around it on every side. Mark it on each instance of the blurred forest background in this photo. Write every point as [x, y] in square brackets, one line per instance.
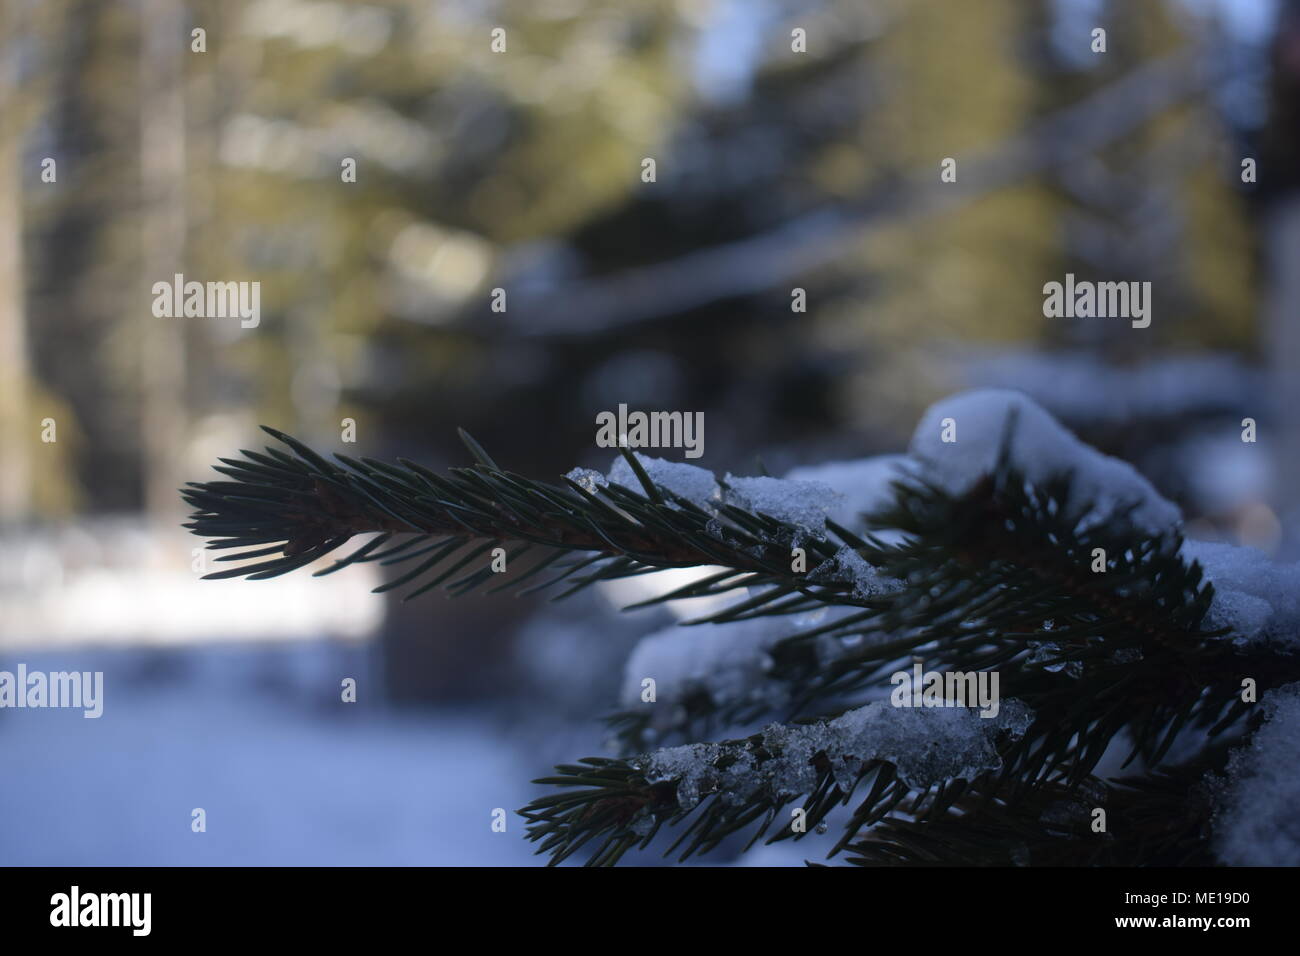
[776, 170]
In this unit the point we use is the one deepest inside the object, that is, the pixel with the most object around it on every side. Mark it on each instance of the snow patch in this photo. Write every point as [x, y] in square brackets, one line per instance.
[590, 479]
[1258, 823]
[696, 485]
[1040, 447]
[804, 504]
[926, 746]
[849, 565]
[724, 661]
[729, 662]
[865, 485]
[842, 491]
[1256, 597]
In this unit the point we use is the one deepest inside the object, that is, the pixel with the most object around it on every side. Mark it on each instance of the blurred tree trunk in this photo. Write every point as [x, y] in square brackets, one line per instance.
[15, 423]
[440, 651]
[163, 44]
[1282, 339]
[1280, 185]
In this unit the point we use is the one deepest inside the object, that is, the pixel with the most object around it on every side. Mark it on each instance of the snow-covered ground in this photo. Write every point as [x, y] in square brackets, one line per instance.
[118, 581]
[255, 735]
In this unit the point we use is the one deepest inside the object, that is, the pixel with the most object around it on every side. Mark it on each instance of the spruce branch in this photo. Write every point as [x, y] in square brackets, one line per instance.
[1000, 577]
[1161, 818]
[994, 578]
[292, 509]
[711, 791]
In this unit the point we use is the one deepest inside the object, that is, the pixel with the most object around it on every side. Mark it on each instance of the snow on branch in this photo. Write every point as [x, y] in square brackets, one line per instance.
[925, 746]
[1256, 824]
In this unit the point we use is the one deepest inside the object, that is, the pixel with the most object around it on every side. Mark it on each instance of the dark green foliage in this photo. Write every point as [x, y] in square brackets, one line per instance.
[1000, 578]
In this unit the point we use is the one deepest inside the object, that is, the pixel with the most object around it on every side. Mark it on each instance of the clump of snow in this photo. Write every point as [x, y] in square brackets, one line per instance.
[926, 745]
[1256, 597]
[588, 478]
[696, 485]
[1040, 447]
[849, 565]
[728, 662]
[865, 486]
[724, 661]
[842, 491]
[804, 504]
[1258, 820]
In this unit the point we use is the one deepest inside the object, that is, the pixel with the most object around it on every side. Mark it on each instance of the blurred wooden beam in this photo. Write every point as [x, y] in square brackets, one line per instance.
[778, 257]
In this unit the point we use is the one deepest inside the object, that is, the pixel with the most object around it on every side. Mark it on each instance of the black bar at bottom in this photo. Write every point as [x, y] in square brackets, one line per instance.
[334, 905]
